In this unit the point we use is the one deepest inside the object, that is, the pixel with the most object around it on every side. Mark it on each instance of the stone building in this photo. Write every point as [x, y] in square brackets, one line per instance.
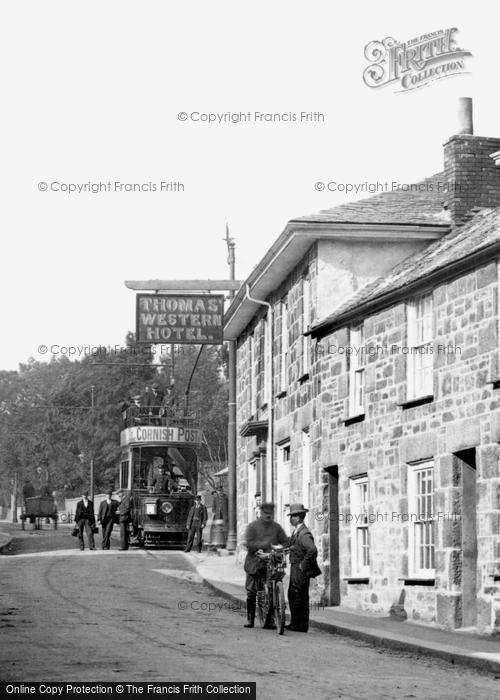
[368, 377]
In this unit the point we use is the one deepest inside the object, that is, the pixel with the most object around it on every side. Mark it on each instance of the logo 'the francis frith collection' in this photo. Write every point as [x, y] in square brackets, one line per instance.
[416, 62]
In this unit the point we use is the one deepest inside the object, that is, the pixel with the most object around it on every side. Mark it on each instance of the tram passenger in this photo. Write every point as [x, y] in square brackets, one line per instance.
[174, 484]
[160, 479]
[135, 410]
[146, 402]
[167, 406]
[124, 406]
[156, 404]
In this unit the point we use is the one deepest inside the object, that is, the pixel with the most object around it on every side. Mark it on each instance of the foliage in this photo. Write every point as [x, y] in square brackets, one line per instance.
[49, 429]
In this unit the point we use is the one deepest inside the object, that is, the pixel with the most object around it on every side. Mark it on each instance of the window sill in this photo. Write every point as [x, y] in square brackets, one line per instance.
[281, 394]
[354, 419]
[303, 378]
[357, 579]
[418, 581]
[420, 401]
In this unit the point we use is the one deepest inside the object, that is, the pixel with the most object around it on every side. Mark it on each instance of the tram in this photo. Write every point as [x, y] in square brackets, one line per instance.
[159, 467]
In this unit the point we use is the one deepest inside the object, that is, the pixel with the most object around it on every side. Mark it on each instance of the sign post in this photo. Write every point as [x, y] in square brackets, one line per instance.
[231, 428]
[169, 316]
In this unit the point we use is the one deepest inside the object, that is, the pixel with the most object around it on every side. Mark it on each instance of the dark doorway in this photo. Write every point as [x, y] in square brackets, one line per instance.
[465, 476]
[331, 512]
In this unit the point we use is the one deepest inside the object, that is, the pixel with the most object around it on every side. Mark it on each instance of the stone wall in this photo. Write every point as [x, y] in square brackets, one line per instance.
[458, 429]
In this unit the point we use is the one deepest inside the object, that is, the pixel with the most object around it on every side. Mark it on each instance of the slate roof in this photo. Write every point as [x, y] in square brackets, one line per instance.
[473, 237]
[423, 204]
[418, 205]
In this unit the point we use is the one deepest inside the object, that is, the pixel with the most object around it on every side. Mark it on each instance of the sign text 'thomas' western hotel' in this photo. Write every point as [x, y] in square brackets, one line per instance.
[180, 318]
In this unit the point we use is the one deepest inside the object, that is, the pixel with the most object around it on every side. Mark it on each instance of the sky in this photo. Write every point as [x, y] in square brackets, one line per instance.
[93, 96]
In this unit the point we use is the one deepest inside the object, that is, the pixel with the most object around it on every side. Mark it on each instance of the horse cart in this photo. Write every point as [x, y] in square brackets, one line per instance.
[37, 509]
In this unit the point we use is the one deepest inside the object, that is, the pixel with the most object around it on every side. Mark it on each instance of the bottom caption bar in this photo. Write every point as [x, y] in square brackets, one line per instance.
[126, 690]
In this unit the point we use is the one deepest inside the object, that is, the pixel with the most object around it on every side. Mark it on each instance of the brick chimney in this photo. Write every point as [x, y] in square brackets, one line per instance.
[471, 174]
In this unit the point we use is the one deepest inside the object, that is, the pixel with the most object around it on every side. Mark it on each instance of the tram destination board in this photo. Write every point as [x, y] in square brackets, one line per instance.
[192, 319]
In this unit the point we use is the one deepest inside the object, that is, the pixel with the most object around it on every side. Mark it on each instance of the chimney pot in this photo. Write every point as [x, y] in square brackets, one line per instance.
[465, 125]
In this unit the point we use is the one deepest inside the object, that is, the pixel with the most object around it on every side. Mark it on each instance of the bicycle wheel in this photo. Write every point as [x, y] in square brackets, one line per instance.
[262, 605]
[279, 607]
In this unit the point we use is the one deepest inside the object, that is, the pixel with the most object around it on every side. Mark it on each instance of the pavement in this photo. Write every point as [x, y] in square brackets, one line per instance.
[5, 535]
[5, 540]
[225, 576]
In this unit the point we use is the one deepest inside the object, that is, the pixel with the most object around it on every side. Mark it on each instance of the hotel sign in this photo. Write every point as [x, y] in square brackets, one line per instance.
[180, 318]
[147, 435]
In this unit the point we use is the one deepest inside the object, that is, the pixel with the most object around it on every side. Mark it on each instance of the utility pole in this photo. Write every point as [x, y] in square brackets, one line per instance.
[91, 485]
[13, 501]
[231, 437]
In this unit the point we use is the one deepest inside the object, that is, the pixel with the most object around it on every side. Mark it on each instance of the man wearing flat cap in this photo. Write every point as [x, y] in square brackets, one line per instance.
[303, 567]
[259, 536]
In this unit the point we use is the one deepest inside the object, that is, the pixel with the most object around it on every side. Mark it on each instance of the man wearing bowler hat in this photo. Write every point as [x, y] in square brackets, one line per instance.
[259, 536]
[107, 511]
[303, 567]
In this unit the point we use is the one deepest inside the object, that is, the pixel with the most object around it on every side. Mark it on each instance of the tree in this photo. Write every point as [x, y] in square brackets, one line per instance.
[49, 425]
[207, 398]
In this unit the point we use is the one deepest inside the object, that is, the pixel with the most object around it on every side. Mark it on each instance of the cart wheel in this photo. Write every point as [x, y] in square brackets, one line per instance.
[279, 608]
[263, 605]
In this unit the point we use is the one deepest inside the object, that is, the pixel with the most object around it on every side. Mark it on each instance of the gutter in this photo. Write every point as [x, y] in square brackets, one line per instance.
[270, 425]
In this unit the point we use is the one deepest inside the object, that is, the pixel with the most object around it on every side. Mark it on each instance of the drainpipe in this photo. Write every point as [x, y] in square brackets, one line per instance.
[269, 495]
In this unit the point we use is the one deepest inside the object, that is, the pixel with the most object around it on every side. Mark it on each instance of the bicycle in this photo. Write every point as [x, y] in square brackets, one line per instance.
[271, 594]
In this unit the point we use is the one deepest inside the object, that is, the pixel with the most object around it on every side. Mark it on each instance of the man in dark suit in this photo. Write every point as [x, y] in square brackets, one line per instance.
[125, 517]
[303, 567]
[259, 536]
[106, 517]
[160, 480]
[196, 521]
[85, 520]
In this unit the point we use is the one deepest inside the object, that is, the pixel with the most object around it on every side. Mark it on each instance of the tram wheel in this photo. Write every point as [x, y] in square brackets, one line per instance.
[279, 608]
